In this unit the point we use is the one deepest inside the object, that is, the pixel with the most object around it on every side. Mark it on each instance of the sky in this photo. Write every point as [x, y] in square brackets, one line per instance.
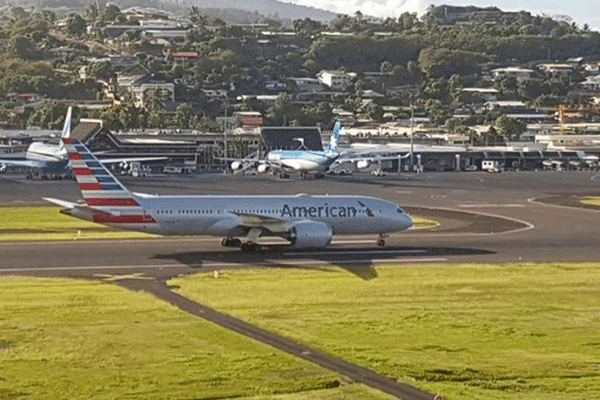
[581, 11]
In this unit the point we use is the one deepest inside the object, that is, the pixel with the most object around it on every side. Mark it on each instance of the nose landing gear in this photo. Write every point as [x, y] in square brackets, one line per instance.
[381, 240]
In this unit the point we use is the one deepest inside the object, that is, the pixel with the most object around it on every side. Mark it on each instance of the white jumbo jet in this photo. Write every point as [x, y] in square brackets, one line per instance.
[48, 159]
[305, 221]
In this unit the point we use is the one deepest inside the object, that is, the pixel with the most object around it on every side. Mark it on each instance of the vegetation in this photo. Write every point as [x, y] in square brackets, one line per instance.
[592, 201]
[449, 48]
[69, 339]
[513, 331]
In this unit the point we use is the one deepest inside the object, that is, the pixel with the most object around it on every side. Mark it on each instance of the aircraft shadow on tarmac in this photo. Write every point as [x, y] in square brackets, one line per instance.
[358, 261]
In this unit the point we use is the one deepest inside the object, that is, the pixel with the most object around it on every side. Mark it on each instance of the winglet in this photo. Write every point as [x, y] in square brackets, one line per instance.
[335, 135]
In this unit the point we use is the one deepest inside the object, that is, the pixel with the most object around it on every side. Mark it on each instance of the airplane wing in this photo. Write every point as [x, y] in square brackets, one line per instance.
[130, 159]
[271, 224]
[363, 160]
[22, 163]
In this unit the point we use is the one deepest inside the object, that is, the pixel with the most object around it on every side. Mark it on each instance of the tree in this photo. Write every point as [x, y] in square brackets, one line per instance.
[282, 110]
[386, 67]
[509, 128]
[112, 13]
[76, 25]
[24, 47]
[183, 115]
[102, 70]
[443, 62]
[436, 112]
[307, 27]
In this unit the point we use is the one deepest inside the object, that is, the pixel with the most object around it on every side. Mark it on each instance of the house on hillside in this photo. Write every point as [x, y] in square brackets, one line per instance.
[336, 80]
[520, 74]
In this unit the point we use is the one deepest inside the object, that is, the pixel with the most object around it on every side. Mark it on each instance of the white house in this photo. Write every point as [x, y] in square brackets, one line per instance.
[337, 80]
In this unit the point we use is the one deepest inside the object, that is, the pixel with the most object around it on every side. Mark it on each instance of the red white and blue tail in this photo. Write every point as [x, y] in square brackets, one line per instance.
[108, 201]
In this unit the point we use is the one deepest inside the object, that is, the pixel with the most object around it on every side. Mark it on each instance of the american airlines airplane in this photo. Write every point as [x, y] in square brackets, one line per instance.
[305, 221]
[47, 159]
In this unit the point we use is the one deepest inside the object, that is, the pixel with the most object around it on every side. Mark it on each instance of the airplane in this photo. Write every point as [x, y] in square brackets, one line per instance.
[305, 161]
[305, 221]
[51, 160]
[301, 160]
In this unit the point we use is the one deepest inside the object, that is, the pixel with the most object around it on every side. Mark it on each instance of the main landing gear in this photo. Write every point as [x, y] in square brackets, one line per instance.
[381, 240]
[245, 247]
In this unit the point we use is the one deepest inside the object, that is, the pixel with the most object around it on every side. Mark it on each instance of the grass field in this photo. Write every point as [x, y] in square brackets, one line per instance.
[46, 223]
[591, 201]
[465, 331]
[69, 339]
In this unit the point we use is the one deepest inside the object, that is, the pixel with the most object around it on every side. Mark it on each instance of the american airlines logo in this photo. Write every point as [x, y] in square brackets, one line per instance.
[324, 211]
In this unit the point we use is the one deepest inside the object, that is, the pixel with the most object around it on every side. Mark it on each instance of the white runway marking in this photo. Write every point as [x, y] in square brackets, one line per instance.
[491, 205]
[223, 265]
[352, 252]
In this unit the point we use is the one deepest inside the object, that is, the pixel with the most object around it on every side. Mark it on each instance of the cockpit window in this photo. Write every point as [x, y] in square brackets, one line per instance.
[400, 211]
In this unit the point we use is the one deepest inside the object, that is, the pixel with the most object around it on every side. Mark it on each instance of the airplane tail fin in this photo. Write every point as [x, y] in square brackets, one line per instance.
[111, 202]
[66, 132]
[335, 135]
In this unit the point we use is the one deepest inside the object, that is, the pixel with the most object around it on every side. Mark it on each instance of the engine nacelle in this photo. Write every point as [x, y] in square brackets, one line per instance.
[236, 165]
[262, 168]
[362, 164]
[310, 234]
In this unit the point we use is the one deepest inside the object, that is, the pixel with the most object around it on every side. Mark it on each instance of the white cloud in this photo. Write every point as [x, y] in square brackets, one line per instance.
[381, 8]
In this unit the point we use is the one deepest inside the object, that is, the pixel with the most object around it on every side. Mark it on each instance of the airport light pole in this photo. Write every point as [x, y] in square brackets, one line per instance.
[225, 131]
[412, 117]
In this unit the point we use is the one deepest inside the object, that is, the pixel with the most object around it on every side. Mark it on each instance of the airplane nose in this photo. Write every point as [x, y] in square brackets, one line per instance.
[406, 221]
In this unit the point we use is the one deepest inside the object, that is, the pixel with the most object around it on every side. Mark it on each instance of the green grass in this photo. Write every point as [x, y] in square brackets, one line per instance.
[592, 201]
[465, 331]
[69, 339]
[46, 223]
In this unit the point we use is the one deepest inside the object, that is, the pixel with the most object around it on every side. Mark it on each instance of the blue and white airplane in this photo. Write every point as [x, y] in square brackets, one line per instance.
[51, 159]
[300, 160]
[44, 158]
[305, 221]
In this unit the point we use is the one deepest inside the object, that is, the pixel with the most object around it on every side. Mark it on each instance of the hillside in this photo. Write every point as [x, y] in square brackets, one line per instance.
[268, 8]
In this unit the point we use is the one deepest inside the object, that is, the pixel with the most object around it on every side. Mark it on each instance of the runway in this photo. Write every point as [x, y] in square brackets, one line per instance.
[483, 218]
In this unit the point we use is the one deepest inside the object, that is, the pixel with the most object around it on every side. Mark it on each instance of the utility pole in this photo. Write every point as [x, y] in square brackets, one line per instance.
[412, 117]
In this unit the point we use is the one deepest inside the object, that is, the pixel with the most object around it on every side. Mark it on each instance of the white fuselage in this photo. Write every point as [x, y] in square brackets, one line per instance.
[227, 215]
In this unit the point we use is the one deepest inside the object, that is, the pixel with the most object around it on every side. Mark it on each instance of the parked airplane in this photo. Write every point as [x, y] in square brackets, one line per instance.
[300, 160]
[304, 160]
[305, 221]
[51, 160]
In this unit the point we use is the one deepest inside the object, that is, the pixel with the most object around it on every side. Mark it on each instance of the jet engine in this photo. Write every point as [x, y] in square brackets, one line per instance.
[236, 165]
[262, 168]
[310, 234]
[362, 164]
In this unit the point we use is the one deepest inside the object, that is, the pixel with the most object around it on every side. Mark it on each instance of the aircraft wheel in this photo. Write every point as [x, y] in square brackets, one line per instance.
[249, 247]
[380, 242]
[231, 242]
